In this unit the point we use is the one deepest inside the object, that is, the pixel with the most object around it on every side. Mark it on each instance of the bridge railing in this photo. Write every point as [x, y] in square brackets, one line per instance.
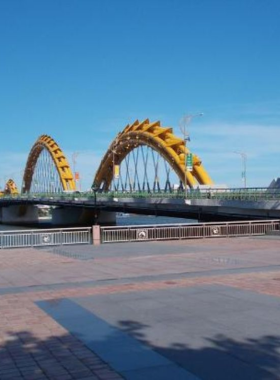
[114, 234]
[251, 194]
[45, 237]
[236, 194]
[187, 231]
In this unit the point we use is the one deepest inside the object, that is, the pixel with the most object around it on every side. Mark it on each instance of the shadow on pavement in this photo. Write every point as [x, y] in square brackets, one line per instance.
[63, 357]
[24, 356]
[222, 358]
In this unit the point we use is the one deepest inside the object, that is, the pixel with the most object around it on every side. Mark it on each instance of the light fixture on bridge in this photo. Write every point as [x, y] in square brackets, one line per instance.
[243, 156]
[116, 168]
[76, 174]
[185, 120]
[95, 188]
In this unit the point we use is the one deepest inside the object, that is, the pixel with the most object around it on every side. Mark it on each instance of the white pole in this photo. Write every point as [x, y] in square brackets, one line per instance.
[243, 156]
[186, 119]
[74, 157]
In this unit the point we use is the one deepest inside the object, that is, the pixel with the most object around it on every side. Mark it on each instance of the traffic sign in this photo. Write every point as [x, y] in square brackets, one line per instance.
[189, 162]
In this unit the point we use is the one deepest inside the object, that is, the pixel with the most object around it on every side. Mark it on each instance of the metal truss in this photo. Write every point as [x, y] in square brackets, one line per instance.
[151, 158]
[144, 170]
[45, 176]
[47, 169]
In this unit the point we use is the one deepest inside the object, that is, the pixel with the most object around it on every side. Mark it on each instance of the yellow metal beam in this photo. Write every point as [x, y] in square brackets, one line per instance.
[10, 188]
[162, 140]
[58, 157]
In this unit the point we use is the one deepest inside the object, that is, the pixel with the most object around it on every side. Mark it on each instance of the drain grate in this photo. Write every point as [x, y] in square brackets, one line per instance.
[69, 253]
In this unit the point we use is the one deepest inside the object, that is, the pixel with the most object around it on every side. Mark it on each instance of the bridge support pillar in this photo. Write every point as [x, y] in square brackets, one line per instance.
[81, 216]
[19, 214]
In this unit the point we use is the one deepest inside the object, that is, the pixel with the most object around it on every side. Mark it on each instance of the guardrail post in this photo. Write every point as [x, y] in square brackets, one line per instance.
[96, 235]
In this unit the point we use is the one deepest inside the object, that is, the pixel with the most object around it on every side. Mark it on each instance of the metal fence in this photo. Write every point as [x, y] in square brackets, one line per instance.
[249, 193]
[187, 231]
[68, 236]
[46, 237]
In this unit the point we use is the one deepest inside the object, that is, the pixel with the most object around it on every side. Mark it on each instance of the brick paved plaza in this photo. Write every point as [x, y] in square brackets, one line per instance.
[197, 309]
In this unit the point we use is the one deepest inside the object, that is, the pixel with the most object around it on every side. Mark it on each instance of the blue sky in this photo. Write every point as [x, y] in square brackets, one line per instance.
[81, 70]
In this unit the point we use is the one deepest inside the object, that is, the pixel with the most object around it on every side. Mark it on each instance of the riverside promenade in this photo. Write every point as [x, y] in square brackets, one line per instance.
[184, 310]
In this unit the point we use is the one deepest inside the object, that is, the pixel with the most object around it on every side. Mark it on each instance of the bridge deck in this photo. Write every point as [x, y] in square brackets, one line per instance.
[202, 209]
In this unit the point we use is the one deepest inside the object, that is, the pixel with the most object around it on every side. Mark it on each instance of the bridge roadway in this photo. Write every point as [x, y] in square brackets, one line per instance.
[87, 208]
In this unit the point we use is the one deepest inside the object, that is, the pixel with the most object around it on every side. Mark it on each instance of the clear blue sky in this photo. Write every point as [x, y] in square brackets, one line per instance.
[80, 70]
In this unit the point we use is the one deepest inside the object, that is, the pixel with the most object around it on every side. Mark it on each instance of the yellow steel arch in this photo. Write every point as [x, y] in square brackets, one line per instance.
[11, 188]
[58, 157]
[170, 147]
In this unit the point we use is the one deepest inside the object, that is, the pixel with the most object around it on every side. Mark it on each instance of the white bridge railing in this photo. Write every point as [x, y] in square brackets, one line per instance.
[68, 236]
[187, 231]
[38, 238]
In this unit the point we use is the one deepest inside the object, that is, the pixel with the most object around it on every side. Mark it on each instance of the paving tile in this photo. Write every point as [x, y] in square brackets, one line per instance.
[229, 285]
[161, 373]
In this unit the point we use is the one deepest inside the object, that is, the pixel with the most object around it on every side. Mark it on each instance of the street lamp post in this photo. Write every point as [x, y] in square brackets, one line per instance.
[95, 189]
[243, 156]
[186, 119]
[74, 157]
[114, 151]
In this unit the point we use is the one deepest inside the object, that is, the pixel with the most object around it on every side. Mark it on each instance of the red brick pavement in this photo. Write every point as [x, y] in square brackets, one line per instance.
[35, 347]
[30, 267]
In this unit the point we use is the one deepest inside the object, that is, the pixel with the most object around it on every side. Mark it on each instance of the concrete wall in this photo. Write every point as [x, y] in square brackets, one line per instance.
[258, 209]
[269, 208]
